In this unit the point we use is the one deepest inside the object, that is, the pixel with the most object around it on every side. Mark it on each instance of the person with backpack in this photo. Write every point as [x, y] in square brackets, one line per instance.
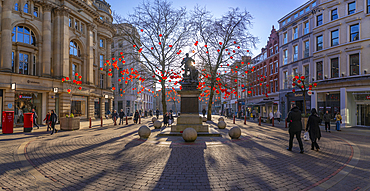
[34, 119]
[313, 129]
[121, 115]
[295, 127]
[327, 121]
[53, 120]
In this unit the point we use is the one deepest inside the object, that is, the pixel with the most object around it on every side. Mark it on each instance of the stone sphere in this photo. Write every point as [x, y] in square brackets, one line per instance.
[204, 119]
[221, 119]
[157, 124]
[235, 132]
[144, 132]
[154, 119]
[221, 125]
[189, 135]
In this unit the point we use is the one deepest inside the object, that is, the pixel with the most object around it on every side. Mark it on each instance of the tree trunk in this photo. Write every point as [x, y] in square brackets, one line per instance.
[164, 105]
[209, 113]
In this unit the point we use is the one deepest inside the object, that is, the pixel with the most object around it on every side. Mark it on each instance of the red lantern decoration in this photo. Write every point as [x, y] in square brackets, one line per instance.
[220, 43]
[315, 84]
[113, 88]
[69, 90]
[302, 77]
[296, 77]
[293, 90]
[80, 88]
[67, 78]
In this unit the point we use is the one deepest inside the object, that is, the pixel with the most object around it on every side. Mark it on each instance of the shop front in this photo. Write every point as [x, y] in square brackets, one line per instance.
[328, 102]
[359, 110]
[24, 102]
[298, 99]
[78, 106]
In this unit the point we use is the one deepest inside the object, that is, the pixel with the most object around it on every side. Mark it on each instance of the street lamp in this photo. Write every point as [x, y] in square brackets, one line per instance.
[106, 96]
[55, 90]
[13, 86]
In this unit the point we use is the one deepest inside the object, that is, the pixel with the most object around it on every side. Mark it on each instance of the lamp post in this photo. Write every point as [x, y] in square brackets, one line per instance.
[13, 86]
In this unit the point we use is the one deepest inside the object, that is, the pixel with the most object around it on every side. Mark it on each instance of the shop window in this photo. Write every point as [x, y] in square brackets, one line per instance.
[16, 7]
[36, 11]
[24, 102]
[23, 34]
[319, 71]
[23, 63]
[74, 49]
[78, 106]
[334, 67]
[351, 8]
[354, 64]
[26, 8]
[354, 32]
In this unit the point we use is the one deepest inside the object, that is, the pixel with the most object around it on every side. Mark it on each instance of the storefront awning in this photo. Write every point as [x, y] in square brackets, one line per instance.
[263, 102]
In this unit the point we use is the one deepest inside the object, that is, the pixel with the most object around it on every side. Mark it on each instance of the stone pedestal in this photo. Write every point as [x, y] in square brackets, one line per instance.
[189, 113]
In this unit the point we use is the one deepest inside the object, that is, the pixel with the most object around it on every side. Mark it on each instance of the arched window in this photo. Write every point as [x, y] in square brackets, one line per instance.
[26, 8]
[16, 7]
[23, 34]
[74, 49]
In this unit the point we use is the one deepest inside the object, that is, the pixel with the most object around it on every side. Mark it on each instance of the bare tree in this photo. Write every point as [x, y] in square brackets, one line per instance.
[218, 43]
[158, 32]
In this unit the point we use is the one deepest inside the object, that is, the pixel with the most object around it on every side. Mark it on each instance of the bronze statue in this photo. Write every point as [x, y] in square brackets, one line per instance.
[191, 73]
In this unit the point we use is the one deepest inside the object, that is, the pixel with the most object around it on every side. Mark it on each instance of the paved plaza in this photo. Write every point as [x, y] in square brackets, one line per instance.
[114, 158]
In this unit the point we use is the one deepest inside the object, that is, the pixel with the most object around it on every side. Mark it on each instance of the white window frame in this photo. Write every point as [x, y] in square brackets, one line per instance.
[285, 57]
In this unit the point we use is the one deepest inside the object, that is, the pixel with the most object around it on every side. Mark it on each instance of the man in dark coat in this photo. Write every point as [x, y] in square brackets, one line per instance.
[53, 120]
[157, 113]
[327, 121]
[204, 112]
[121, 115]
[314, 129]
[295, 127]
[136, 116]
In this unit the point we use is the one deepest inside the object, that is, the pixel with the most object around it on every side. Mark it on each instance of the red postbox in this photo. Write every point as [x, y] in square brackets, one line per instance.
[28, 122]
[8, 121]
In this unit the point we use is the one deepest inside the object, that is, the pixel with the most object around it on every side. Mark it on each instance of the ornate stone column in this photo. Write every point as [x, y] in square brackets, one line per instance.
[102, 107]
[6, 37]
[90, 107]
[46, 40]
[90, 54]
[108, 56]
[57, 52]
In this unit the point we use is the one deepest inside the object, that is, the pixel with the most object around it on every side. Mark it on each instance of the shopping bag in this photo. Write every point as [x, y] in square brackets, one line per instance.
[306, 136]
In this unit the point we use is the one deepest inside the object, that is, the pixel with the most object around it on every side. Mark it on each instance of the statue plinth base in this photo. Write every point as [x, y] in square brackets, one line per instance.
[189, 116]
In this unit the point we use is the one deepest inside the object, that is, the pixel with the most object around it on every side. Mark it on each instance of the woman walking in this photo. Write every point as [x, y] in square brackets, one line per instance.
[165, 119]
[338, 119]
[314, 129]
[47, 119]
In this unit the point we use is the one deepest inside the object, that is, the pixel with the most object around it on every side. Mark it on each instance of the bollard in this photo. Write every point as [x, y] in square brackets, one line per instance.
[234, 119]
[101, 118]
[126, 120]
[273, 121]
[245, 119]
[115, 120]
[90, 123]
[259, 121]
[139, 119]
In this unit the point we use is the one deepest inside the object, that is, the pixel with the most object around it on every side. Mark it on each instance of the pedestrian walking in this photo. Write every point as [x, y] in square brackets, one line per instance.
[254, 114]
[157, 113]
[313, 129]
[145, 113]
[295, 127]
[34, 119]
[121, 115]
[114, 116]
[338, 119]
[271, 115]
[47, 119]
[165, 119]
[278, 116]
[204, 112]
[53, 120]
[170, 119]
[327, 121]
[107, 114]
[136, 116]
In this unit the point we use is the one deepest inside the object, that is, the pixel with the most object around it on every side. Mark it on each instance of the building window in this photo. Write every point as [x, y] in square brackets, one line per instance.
[285, 57]
[271, 51]
[276, 67]
[24, 35]
[285, 80]
[26, 8]
[319, 43]
[319, 20]
[306, 70]
[319, 71]
[276, 86]
[16, 8]
[101, 43]
[101, 81]
[70, 22]
[120, 44]
[74, 49]
[334, 38]
[295, 55]
[351, 8]
[306, 49]
[283, 23]
[334, 14]
[74, 70]
[368, 6]
[306, 27]
[23, 63]
[101, 61]
[36, 11]
[301, 12]
[334, 67]
[271, 87]
[34, 65]
[295, 31]
[276, 49]
[285, 38]
[307, 9]
[76, 24]
[296, 15]
[314, 4]
[271, 68]
[288, 20]
[354, 32]
[265, 69]
[12, 61]
[354, 64]
[112, 45]
[295, 71]
[82, 28]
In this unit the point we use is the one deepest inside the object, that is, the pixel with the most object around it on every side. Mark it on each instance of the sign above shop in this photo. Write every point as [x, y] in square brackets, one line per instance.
[32, 82]
[25, 97]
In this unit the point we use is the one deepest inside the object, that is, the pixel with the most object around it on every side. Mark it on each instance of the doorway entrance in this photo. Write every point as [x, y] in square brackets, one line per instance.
[363, 114]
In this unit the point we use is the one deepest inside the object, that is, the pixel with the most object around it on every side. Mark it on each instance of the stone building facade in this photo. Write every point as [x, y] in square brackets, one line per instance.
[45, 41]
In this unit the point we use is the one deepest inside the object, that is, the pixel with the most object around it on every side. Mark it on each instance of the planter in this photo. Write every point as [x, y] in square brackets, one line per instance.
[304, 122]
[69, 123]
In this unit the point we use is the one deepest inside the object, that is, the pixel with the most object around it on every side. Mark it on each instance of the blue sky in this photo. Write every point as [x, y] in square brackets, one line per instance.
[265, 12]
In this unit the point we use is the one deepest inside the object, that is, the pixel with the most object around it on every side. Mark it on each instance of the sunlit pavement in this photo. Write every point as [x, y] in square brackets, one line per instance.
[114, 158]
